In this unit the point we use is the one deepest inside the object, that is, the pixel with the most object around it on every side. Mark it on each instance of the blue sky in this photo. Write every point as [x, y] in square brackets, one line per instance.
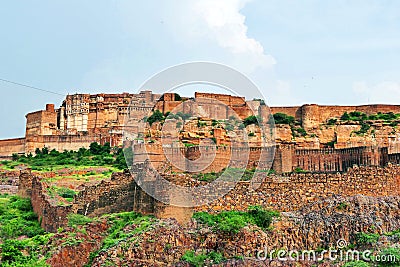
[326, 52]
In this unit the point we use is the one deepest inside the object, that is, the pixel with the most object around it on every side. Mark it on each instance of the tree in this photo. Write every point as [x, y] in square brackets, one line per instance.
[282, 118]
[95, 148]
[345, 117]
[156, 116]
[251, 120]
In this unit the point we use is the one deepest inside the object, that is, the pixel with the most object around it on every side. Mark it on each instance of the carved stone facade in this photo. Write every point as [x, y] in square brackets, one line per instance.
[80, 120]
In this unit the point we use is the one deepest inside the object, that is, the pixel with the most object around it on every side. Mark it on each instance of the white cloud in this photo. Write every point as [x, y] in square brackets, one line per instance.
[387, 92]
[222, 23]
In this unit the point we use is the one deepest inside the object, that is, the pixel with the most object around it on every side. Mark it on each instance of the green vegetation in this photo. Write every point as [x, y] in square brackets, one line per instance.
[229, 126]
[177, 97]
[282, 118]
[245, 174]
[366, 238]
[118, 233]
[156, 116]
[251, 120]
[364, 129]
[77, 219]
[356, 264]
[231, 222]
[184, 116]
[201, 123]
[96, 155]
[298, 132]
[17, 218]
[360, 116]
[332, 122]
[331, 143]
[390, 253]
[395, 233]
[202, 259]
[20, 233]
[299, 170]
[342, 206]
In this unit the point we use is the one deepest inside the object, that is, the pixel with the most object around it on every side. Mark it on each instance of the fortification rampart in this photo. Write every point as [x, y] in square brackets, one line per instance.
[283, 158]
[291, 192]
[12, 146]
[278, 192]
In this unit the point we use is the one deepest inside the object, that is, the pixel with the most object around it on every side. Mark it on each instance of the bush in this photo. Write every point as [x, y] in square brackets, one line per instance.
[251, 120]
[66, 192]
[332, 121]
[364, 129]
[299, 131]
[261, 217]
[156, 116]
[282, 118]
[11, 251]
[229, 127]
[366, 238]
[232, 221]
[201, 259]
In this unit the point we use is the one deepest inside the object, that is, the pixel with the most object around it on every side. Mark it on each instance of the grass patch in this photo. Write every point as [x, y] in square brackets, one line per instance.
[78, 219]
[231, 222]
[96, 155]
[202, 259]
[21, 236]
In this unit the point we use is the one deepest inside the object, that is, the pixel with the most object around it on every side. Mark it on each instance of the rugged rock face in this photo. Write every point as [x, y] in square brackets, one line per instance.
[319, 225]
[325, 222]
[74, 249]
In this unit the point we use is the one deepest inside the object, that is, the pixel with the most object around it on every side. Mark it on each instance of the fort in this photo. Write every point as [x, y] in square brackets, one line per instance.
[322, 147]
[312, 158]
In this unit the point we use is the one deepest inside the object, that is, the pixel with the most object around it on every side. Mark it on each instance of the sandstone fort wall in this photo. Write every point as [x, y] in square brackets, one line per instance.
[11, 146]
[278, 192]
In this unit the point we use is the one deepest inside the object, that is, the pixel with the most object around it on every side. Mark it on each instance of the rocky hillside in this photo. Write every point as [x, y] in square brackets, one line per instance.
[227, 239]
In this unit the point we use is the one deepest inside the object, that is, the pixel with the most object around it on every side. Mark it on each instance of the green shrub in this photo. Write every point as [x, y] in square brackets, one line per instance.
[300, 131]
[282, 118]
[262, 217]
[366, 238]
[232, 221]
[202, 259]
[364, 129]
[17, 219]
[251, 120]
[11, 251]
[65, 192]
[156, 116]
[332, 122]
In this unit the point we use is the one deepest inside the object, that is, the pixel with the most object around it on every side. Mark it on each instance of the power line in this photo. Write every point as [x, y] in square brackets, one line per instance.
[32, 87]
